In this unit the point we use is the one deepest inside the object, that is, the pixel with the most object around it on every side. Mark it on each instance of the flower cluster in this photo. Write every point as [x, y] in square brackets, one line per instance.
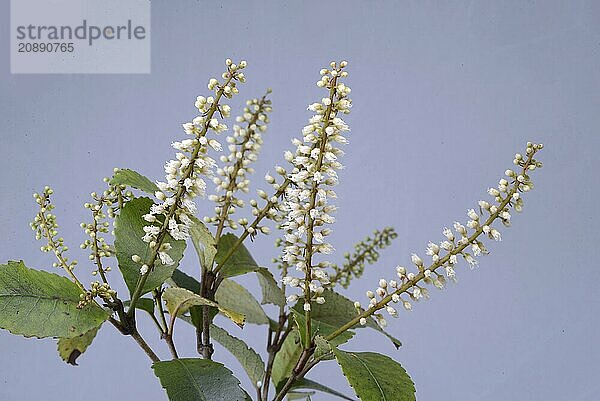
[463, 241]
[45, 226]
[101, 290]
[184, 174]
[112, 198]
[365, 251]
[244, 145]
[314, 172]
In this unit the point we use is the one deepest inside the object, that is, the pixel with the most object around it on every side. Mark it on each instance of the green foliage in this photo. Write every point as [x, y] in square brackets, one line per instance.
[145, 304]
[240, 261]
[319, 328]
[128, 242]
[191, 379]
[375, 377]
[180, 300]
[135, 180]
[204, 242]
[248, 358]
[69, 349]
[306, 384]
[337, 310]
[36, 303]
[230, 295]
[233, 296]
[271, 293]
[300, 395]
[286, 358]
[180, 279]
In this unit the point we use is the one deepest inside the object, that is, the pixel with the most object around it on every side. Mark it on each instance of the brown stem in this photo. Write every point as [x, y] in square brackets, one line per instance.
[137, 337]
[302, 367]
[274, 344]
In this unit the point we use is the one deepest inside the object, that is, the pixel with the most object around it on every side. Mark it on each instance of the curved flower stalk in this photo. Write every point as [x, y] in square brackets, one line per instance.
[112, 199]
[366, 251]
[462, 242]
[244, 145]
[183, 180]
[45, 226]
[307, 208]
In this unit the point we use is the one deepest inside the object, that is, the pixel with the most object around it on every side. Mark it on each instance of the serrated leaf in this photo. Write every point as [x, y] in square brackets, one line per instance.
[36, 303]
[194, 379]
[128, 242]
[338, 310]
[135, 180]
[240, 261]
[322, 348]
[271, 293]
[286, 358]
[69, 349]
[375, 377]
[307, 384]
[247, 357]
[204, 242]
[180, 300]
[234, 296]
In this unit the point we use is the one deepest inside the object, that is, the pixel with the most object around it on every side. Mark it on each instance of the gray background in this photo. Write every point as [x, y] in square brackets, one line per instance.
[444, 94]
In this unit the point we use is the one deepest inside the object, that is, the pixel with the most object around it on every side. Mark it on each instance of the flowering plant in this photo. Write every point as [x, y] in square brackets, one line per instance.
[153, 222]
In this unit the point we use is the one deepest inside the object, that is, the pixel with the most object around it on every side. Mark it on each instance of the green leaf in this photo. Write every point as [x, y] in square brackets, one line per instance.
[135, 180]
[271, 293]
[233, 296]
[69, 349]
[375, 377]
[322, 348]
[204, 242]
[145, 304]
[179, 300]
[337, 311]
[248, 358]
[319, 328]
[35, 303]
[286, 358]
[230, 295]
[297, 395]
[307, 384]
[240, 261]
[128, 242]
[193, 379]
[180, 279]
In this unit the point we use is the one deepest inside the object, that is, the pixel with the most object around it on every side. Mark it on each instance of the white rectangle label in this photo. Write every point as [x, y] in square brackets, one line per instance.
[80, 36]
